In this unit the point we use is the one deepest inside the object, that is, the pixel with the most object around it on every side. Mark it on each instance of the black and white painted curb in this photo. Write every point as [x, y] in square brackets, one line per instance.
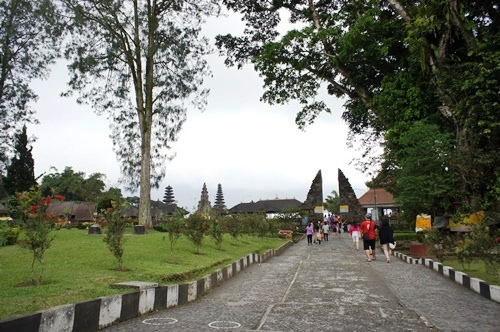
[98, 313]
[491, 292]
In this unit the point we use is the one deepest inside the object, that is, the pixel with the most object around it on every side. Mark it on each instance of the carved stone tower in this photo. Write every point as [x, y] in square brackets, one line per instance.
[355, 212]
[204, 206]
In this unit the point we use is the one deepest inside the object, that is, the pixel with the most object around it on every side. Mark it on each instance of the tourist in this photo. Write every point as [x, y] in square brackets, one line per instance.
[326, 228]
[309, 233]
[319, 232]
[334, 227]
[386, 236]
[341, 227]
[354, 231]
[369, 237]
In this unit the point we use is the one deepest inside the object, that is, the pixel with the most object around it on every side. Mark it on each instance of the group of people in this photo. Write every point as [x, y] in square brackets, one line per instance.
[367, 231]
[320, 231]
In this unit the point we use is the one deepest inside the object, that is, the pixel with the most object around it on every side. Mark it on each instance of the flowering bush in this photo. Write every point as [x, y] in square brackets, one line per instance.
[479, 243]
[439, 243]
[234, 226]
[195, 229]
[217, 231]
[36, 225]
[174, 228]
[115, 232]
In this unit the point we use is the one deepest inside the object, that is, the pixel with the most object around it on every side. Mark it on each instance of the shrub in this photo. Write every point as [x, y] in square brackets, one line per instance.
[479, 243]
[234, 226]
[4, 232]
[174, 228]
[195, 229]
[216, 231]
[115, 233]
[37, 225]
[439, 243]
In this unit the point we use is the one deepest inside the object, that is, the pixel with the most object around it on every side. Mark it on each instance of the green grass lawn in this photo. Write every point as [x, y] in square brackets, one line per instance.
[79, 267]
[475, 269]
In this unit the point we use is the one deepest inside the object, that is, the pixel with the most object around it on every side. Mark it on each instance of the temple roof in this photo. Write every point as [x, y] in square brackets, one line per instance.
[377, 196]
[267, 206]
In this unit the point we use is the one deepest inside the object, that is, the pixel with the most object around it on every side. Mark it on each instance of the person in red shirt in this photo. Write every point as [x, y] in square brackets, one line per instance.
[369, 236]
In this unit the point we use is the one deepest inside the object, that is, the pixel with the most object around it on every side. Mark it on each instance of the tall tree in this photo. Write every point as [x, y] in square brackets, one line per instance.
[140, 62]
[21, 171]
[397, 63]
[29, 41]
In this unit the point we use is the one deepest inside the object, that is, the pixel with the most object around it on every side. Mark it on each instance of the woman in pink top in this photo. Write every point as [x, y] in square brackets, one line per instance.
[309, 233]
[354, 231]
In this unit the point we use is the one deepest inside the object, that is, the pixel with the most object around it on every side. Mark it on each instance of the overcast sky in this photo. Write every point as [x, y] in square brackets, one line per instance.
[255, 151]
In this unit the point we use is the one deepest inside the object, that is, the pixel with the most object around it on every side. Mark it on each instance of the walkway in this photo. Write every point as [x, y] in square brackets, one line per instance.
[329, 287]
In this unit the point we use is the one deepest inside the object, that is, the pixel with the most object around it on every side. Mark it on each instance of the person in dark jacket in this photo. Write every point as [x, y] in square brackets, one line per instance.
[386, 236]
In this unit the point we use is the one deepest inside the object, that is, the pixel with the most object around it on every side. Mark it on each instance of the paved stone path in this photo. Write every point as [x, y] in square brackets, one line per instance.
[329, 287]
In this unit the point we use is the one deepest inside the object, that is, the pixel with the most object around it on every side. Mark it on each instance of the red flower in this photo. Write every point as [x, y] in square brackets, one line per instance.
[33, 209]
[45, 201]
[110, 209]
[60, 197]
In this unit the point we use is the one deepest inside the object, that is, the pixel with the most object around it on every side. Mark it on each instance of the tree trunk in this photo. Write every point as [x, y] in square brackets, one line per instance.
[145, 191]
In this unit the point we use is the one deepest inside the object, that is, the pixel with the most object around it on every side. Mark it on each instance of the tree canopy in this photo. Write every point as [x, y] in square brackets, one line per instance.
[141, 63]
[332, 202]
[29, 42]
[407, 69]
[21, 170]
[74, 186]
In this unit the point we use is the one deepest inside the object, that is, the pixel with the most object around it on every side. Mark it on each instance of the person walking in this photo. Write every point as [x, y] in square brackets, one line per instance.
[355, 230]
[386, 235]
[309, 233]
[326, 228]
[318, 231]
[369, 237]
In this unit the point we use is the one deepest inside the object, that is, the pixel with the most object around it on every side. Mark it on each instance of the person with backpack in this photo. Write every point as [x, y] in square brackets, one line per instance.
[369, 236]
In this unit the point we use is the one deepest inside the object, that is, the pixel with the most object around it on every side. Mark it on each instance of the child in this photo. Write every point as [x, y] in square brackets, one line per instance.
[354, 231]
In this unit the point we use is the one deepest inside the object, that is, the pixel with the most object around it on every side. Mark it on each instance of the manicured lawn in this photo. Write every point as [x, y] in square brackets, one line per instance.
[79, 267]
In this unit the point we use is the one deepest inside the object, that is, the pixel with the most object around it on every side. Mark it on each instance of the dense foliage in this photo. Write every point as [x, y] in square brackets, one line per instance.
[75, 186]
[29, 40]
[21, 170]
[407, 69]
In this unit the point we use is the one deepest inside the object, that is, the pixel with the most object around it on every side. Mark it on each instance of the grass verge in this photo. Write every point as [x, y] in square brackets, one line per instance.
[79, 267]
[476, 269]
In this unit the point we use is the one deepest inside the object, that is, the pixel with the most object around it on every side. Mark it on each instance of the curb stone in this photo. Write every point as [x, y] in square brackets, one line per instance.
[491, 292]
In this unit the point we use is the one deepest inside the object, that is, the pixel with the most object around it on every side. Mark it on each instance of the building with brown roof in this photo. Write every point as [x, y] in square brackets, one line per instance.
[380, 202]
[269, 207]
